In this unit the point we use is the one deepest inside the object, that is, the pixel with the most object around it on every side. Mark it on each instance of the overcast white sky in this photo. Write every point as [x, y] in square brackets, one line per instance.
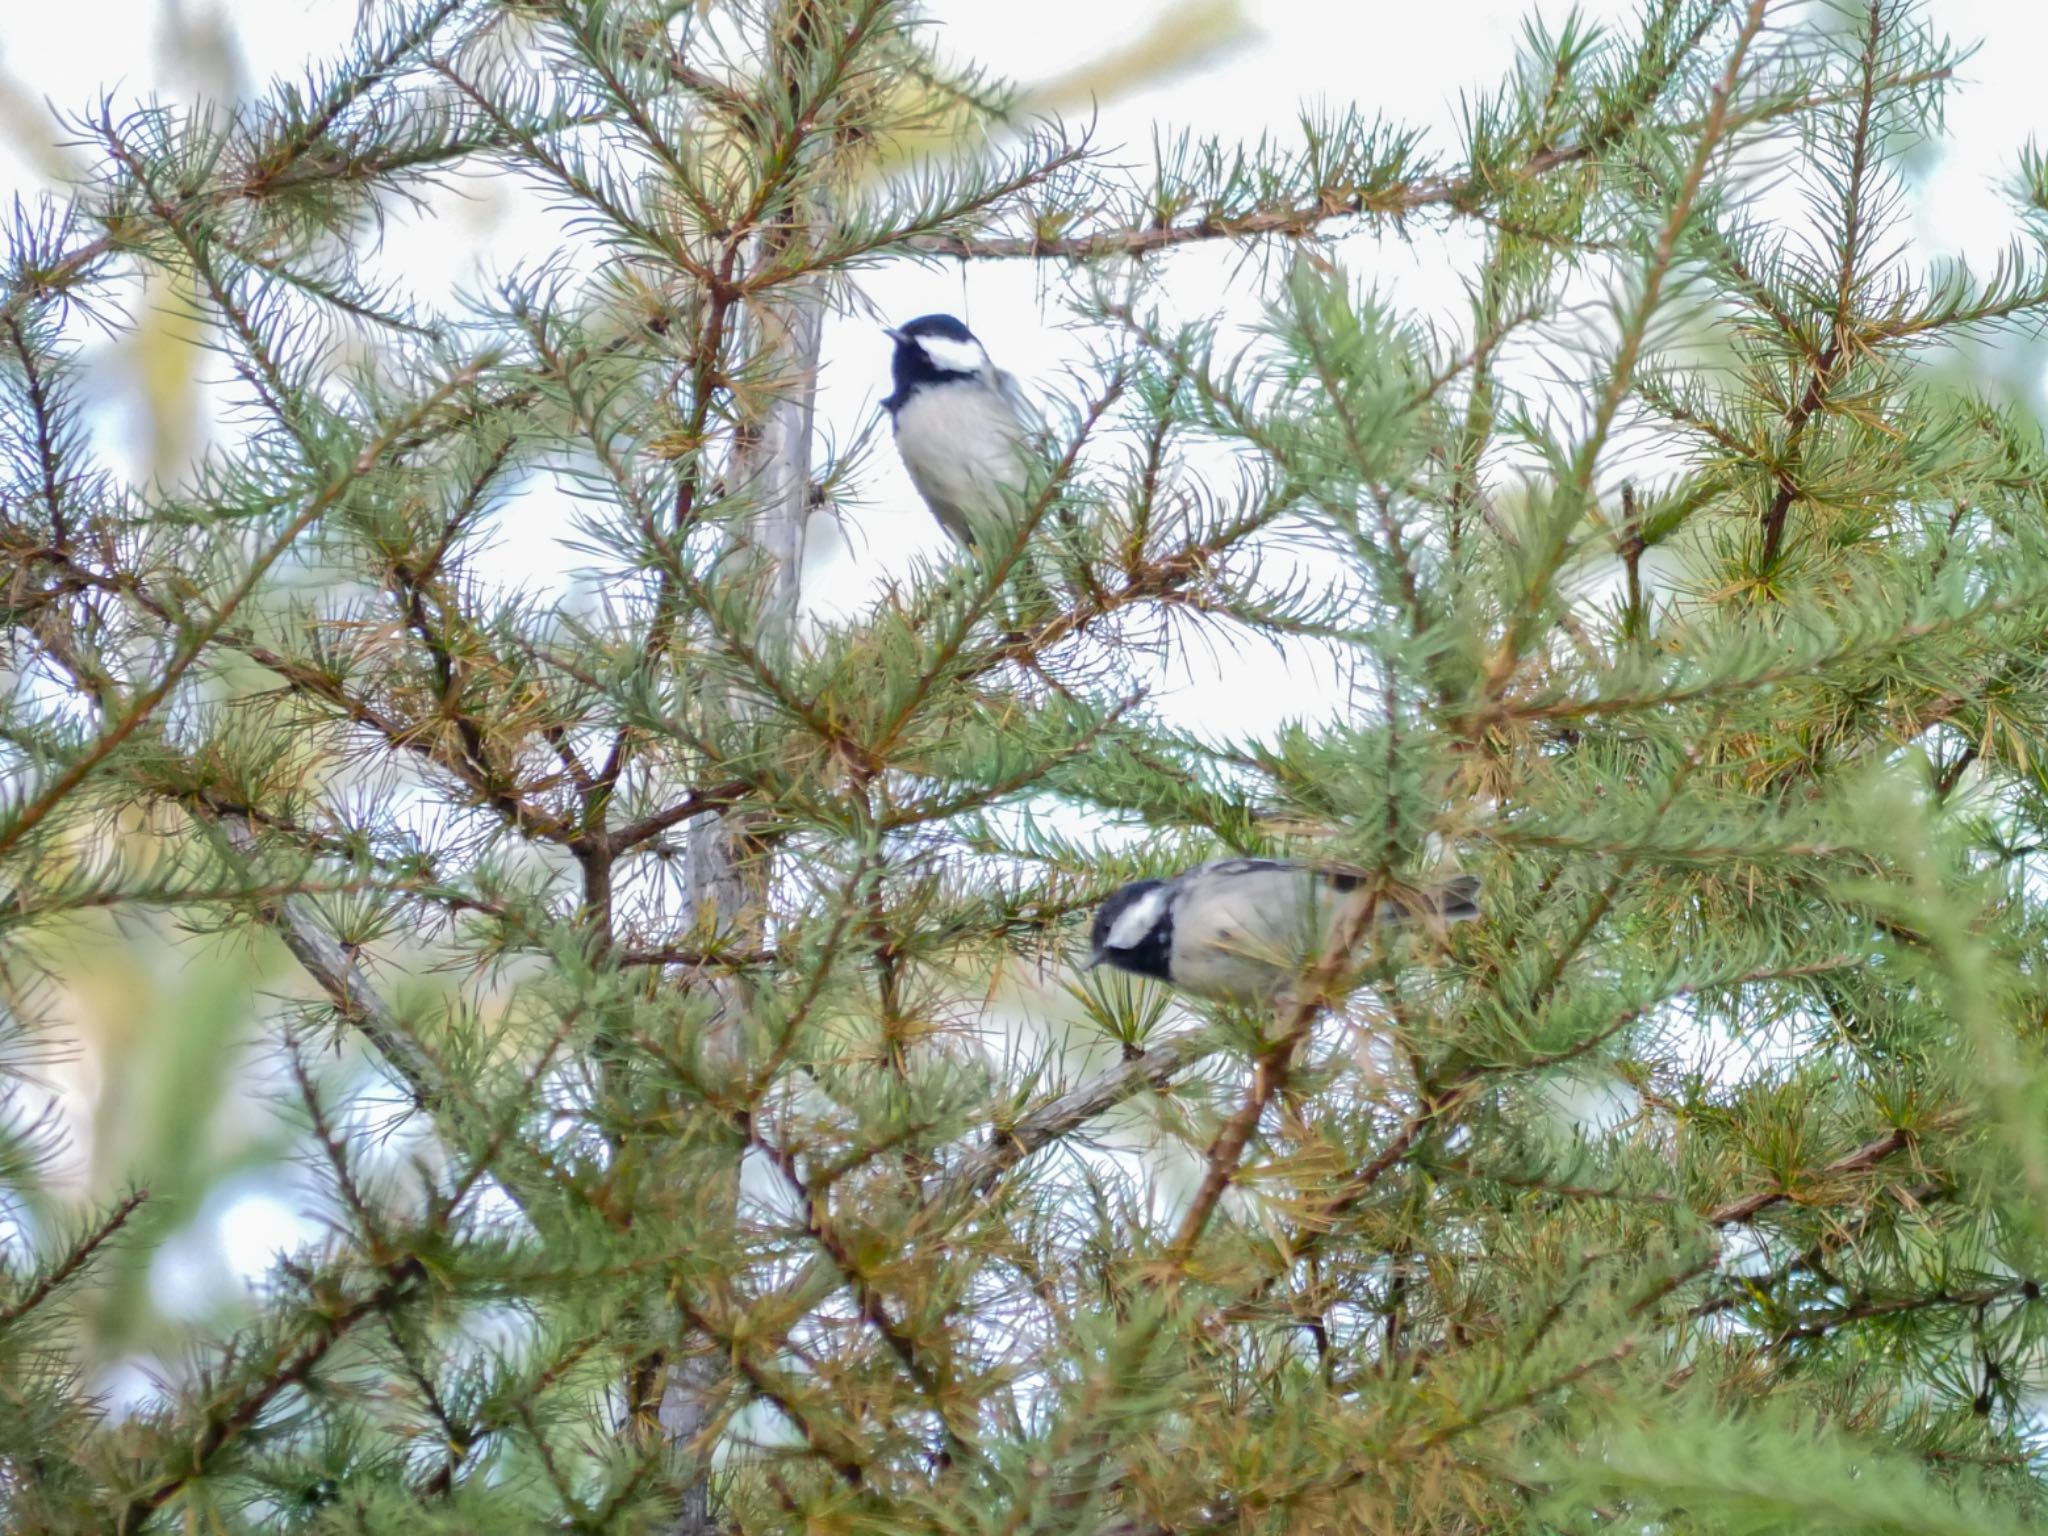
[1408, 61]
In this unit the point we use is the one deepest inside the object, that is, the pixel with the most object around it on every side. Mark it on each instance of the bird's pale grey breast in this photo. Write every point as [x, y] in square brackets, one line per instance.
[964, 448]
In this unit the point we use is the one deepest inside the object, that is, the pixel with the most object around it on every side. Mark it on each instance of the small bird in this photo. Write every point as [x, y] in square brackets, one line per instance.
[963, 426]
[1239, 930]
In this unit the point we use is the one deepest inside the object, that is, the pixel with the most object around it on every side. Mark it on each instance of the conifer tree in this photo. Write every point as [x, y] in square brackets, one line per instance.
[679, 1173]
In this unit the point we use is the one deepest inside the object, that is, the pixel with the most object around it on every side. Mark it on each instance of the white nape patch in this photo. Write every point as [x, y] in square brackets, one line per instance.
[954, 356]
[1136, 920]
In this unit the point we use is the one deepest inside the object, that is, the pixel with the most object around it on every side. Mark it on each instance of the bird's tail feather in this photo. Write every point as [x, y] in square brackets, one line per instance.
[1456, 900]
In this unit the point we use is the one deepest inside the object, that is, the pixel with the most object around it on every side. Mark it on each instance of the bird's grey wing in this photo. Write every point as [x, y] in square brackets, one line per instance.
[1452, 899]
[1323, 906]
[1019, 401]
[1244, 927]
[1240, 926]
[950, 517]
[1455, 899]
[1034, 439]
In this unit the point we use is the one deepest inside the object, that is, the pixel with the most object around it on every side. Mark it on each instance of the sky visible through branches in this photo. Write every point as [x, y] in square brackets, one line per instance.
[1637, 510]
[1408, 61]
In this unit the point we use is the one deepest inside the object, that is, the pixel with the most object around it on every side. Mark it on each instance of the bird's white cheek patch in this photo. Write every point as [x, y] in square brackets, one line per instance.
[1136, 920]
[954, 356]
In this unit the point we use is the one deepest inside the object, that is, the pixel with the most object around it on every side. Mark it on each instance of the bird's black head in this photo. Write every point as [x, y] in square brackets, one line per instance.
[1133, 930]
[932, 349]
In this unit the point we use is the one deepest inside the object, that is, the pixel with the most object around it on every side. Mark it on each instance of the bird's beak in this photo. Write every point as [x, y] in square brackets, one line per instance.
[1091, 962]
[893, 334]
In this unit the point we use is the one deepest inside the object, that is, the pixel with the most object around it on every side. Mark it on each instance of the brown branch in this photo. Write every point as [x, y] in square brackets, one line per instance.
[20, 911]
[194, 645]
[1578, 490]
[80, 261]
[1270, 1070]
[397, 734]
[1294, 220]
[305, 934]
[80, 1254]
[1747, 1287]
[867, 1297]
[1329, 204]
[696, 959]
[959, 1191]
[408, 586]
[1820, 377]
[1893, 1306]
[40, 409]
[1863, 1158]
[222, 1426]
[1151, 1071]
[813, 1197]
[769, 1386]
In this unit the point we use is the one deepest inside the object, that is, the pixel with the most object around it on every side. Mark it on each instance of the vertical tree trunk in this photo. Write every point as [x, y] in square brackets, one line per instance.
[726, 871]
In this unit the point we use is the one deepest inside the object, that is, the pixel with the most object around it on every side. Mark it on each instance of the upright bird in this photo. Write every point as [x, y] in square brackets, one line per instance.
[963, 427]
[1240, 930]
